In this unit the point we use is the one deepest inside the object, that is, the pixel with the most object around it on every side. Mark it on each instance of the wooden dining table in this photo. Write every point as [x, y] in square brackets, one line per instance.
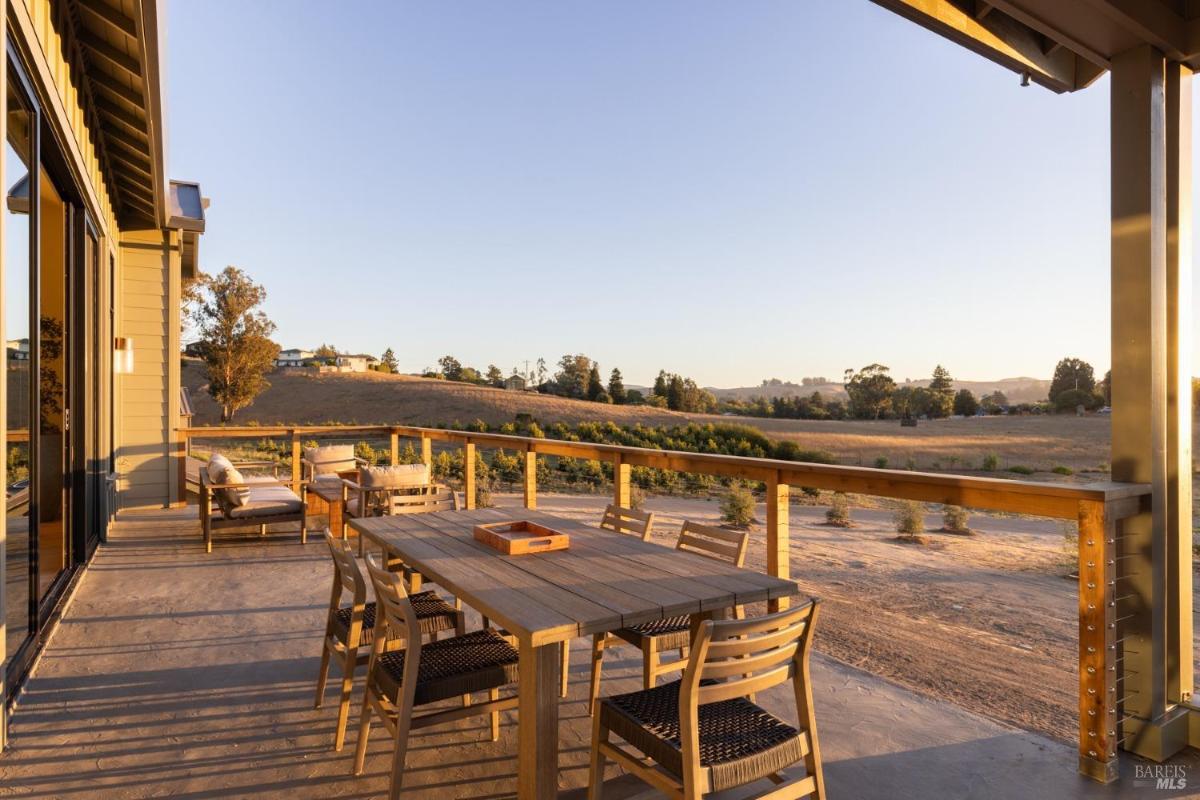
[603, 581]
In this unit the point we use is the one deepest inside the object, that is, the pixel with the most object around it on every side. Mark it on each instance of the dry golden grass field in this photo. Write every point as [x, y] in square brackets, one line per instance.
[957, 445]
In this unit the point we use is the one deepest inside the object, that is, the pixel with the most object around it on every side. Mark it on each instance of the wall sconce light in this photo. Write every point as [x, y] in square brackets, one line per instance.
[122, 355]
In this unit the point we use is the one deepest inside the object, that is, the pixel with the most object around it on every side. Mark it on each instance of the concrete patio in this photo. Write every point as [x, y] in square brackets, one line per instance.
[177, 673]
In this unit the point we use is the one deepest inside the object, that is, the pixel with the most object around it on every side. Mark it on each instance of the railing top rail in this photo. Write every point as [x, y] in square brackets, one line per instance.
[1001, 494]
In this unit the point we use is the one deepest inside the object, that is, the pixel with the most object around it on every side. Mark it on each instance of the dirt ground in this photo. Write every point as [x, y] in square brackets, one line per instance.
[986, 622]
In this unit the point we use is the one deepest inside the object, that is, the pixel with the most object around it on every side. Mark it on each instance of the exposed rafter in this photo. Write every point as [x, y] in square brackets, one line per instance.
[110, 16]
[114, 57]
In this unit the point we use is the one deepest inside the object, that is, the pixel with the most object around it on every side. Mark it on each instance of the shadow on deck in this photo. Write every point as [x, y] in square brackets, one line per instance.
[191, 675]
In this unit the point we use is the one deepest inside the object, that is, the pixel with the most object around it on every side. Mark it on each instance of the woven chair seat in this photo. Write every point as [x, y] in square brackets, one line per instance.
[434, 614]
[739, 741]
[670, 633]
[473, 662]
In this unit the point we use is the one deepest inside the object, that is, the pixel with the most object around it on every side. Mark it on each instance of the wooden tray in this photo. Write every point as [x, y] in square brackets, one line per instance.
[520, 537]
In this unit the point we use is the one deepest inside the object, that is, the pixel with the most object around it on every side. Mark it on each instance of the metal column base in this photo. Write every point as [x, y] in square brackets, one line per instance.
[1162, 738]
[1100, 771]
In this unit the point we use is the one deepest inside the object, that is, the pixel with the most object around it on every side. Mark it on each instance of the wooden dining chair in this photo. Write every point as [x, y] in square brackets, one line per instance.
[701, 734]
[400, 680]
[654, 638]
[628, 520]
[349, 627]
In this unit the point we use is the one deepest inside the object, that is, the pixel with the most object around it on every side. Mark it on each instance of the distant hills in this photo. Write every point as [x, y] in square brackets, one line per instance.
[1017, 390]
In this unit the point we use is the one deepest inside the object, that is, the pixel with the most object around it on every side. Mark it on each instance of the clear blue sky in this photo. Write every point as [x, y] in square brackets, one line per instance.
[732, 191]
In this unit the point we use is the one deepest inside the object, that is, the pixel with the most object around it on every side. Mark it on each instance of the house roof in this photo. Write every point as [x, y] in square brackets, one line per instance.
[119, 43]
[1064, 45]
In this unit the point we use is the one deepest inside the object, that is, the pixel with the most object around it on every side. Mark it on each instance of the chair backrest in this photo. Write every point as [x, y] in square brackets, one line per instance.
[714, 542]
[747, 656]
[737, 658]
[628, 520]
[439, 497]
[394, 614]
[347, 577]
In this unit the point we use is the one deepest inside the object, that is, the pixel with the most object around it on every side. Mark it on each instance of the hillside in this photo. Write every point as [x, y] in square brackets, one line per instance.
[1017, 390]
[375, 398]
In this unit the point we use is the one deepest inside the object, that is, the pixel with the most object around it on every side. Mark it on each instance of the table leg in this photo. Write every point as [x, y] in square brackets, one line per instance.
[537, 722]
[336, 525]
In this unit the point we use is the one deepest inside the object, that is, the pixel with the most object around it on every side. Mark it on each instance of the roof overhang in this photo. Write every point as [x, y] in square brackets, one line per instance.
[1064, 45]
[185, 213]
[119, 44]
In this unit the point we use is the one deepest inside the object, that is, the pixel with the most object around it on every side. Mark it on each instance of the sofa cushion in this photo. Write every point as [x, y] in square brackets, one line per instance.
[220, 470]
[217, 463]
[267, 498]
[400, 476]
[330, 459]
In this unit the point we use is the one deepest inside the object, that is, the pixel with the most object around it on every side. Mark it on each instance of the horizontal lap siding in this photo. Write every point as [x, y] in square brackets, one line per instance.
[148, 316]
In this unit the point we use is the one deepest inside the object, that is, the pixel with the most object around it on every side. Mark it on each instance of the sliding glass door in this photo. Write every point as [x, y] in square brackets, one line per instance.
[19, 250]
[50, 249]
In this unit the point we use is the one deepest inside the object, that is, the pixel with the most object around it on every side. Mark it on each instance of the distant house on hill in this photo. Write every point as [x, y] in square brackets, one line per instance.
[356, 363]
[515, 383]
[293, 358]
[18, 349]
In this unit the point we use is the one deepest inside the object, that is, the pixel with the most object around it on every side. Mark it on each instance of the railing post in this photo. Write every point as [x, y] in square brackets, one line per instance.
[530, 478]
[427, 452]
[182, 449]
[1097, 643]
[621, 472]
[295, 460]
[395, 448]
[469, 473]
[778, 542]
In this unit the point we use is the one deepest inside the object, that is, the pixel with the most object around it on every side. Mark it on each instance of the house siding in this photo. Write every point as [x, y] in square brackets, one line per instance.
[148, 398]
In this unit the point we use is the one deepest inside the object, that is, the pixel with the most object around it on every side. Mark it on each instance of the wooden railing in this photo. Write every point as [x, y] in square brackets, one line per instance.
[1098, 508]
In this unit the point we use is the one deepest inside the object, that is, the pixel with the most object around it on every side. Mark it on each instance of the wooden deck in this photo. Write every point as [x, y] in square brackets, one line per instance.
[178, 673]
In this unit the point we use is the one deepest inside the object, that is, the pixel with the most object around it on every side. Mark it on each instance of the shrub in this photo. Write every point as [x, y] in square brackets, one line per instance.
[910, 520]
[991, 462]
[881, 462]
[737, 507]
[1063, 470]
[636, 498]
[1021, 469]
[955, 520]
[839, 511]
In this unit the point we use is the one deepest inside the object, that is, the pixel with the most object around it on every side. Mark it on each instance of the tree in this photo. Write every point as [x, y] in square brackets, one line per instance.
[1071, 373]
[326, 352]
[494, 376]
[870, 391]
[942, 386]
[388, 362]
[1104, 388]
[994, 403]
[595, 387]
[238, 349]
[451, 368]
[660, 385]
[965, 403]
[616, 388]
[941, 382]
[572, 377]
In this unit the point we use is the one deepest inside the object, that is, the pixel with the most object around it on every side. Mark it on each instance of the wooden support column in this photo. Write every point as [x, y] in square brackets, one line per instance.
[395, 442]
[469, 474]
[1180, 677]
[427, 452]
[778, 540]
[621, 473]
[1154, 727]
[183, 447]
[295, 460]
[531, 478]
[1097, 644]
